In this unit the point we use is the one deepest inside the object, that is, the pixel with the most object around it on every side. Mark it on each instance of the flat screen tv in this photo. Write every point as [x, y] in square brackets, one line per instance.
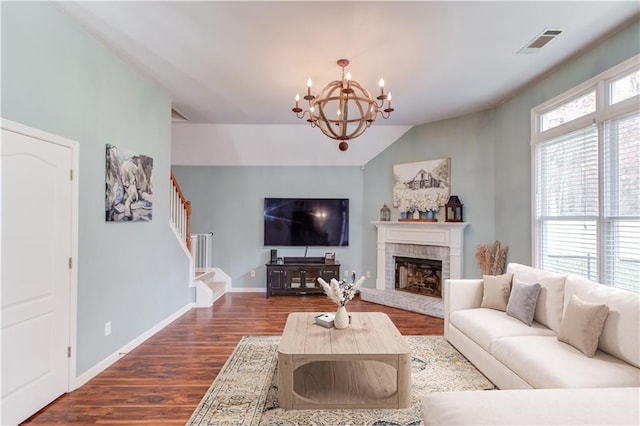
[306, 222]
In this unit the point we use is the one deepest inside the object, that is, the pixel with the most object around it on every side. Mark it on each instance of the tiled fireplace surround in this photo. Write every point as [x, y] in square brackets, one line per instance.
[423, 240]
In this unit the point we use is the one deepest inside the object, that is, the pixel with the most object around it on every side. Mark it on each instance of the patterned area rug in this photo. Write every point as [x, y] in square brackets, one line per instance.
[246, 390]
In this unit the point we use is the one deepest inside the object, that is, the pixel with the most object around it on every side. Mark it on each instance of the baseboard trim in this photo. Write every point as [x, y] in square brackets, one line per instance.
[115, 356]
[246, 290]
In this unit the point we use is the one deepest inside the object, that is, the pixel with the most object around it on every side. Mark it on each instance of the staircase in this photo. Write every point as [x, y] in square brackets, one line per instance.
[210, 282]
[210, 286]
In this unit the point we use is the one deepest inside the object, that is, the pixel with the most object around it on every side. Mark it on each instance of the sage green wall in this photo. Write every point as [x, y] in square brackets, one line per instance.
[490, 157]
[57, 78]
[490, 172]
[228, 201]
[513, 136]
[468, 142]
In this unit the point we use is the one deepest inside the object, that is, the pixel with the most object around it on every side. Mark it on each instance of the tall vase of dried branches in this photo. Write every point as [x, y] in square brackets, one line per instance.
[491, 260]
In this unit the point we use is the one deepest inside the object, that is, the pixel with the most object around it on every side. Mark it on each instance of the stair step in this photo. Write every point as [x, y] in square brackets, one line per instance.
[210, 285]
[205, 275]
[218, 288]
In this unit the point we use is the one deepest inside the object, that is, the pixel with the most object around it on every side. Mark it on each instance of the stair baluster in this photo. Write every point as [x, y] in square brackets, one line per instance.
[180, 212]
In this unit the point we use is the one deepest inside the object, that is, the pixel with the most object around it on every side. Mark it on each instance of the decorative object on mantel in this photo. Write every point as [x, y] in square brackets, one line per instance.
[491, 261]
[385, 214]
[421, 187]
[352, 105]
[453, 209]
[417, 220]
[341, 292]
[428, 216]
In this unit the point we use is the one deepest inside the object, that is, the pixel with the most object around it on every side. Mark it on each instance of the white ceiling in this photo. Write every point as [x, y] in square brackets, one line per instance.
[241, 62]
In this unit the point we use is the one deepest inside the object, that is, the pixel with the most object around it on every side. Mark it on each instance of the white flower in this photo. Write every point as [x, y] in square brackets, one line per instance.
[340, 291]
[421, 199]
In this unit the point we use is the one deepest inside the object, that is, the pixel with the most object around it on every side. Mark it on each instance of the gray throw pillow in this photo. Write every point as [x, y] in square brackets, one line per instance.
[523, 300]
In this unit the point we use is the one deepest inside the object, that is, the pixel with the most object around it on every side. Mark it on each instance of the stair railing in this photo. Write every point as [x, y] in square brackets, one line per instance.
[202, 249]
[180, 211]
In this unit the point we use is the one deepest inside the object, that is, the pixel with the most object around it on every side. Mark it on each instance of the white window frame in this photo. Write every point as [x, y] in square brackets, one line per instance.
[604, 112]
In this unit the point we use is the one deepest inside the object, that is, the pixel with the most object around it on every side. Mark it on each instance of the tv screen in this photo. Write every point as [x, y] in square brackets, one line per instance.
[306, 222]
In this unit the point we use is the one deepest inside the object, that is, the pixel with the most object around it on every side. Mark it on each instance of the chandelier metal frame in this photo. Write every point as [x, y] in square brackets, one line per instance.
[354, 107]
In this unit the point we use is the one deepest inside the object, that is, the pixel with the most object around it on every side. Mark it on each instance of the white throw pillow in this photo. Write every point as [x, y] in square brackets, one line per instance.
[496, 291]
[582, 325]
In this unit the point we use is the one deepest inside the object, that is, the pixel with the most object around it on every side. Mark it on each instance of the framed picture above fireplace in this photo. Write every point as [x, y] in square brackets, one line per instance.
[421, 186]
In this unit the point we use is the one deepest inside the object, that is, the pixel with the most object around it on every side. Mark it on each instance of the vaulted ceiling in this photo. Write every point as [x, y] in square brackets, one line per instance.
[241, 63]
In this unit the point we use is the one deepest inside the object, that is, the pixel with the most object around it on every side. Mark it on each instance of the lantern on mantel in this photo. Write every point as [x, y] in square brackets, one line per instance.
[385, 213]
[453, 209]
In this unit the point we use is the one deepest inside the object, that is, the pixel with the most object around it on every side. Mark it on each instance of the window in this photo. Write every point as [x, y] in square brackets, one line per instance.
[621, 180]
[587, 179]
[624, 88]
[573, 109]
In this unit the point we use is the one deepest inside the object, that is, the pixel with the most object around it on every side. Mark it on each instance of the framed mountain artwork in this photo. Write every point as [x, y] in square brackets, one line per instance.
[129, 186]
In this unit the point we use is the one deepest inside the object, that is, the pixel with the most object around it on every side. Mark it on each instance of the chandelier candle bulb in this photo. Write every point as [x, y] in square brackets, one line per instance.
[309, 96]
[349, 91]
[381, 97]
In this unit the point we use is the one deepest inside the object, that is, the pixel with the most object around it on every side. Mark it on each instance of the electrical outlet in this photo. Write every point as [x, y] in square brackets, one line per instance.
[253, 273]
[107, 328]
[368, 274]
[346, 273]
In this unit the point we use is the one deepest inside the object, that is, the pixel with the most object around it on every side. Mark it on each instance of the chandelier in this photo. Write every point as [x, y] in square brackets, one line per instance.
[344, 109]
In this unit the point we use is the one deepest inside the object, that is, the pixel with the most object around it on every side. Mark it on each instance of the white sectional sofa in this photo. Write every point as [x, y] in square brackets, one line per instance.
[580, 407]
[516, 356]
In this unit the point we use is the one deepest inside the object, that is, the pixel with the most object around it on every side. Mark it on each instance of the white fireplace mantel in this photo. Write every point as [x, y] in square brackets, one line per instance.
[445, 234]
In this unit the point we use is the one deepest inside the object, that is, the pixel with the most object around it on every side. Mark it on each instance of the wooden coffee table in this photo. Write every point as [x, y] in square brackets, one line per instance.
[366, 365]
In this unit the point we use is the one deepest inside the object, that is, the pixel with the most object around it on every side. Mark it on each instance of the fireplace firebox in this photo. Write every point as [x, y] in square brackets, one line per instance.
[420, 276]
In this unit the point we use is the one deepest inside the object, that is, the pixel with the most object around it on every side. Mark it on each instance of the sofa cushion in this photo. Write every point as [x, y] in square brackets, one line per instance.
[621, 329]
[484, 326]
[610, 406]
[544, 362]
[523, 299]
[496, 290]
[551, 298]
[582, 325]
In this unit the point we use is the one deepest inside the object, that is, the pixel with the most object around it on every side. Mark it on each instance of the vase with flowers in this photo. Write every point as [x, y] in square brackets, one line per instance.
[341, 293]
[429, 205]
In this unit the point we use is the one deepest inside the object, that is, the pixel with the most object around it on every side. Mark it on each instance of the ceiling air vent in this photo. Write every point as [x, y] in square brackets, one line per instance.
[540, 41]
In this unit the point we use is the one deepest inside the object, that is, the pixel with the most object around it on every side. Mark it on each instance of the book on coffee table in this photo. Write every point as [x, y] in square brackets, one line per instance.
[325, 320]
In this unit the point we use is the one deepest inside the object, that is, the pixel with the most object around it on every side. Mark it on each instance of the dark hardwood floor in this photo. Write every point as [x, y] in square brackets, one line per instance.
[162, 381]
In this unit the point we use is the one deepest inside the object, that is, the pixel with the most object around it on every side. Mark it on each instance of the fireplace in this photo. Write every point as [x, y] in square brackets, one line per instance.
[436, 241]
[419, 276]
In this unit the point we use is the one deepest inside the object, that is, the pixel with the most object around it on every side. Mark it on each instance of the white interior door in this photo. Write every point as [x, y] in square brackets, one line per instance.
[36, 277]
